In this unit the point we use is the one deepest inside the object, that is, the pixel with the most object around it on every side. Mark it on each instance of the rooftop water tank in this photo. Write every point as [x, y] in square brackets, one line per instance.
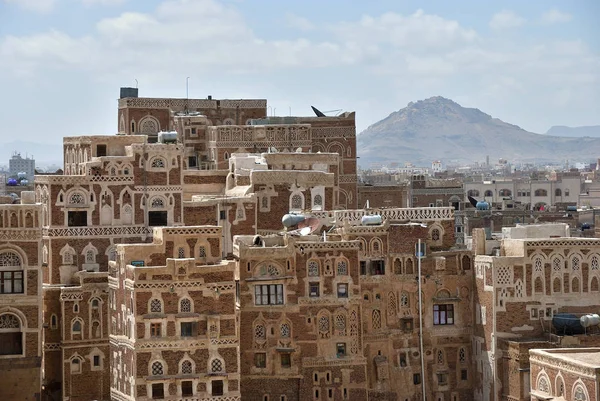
[482, 205]
[590, 320]
[12, 182]
[567, 324]
[24, 182]
[290, 219]
[372, 220]
[21, 174]
[571, 208]
[167, 137]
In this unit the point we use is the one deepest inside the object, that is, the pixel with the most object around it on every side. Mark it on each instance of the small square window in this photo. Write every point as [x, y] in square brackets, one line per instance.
[217, 387]
[314, 289]
[416, 378]
[286, 360]
[188, 329]
[187, 388]
[340, 349]
[222, 215]
[158, 391]
[442, 378]
[464, 374]
[342, 290]
[260, 360]
[155, 330]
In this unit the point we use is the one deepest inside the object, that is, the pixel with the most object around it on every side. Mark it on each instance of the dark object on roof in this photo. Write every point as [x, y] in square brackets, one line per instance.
[473, 201]
[318, 112]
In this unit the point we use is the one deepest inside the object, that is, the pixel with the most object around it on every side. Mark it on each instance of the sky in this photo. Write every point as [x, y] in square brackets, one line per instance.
[531, 63]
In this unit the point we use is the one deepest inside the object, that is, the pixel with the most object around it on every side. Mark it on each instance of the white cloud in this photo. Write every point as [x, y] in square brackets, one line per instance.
[506, 19]
[102, 2]
[554, 16]
[382, 55]
[39, 6]
[298, 22]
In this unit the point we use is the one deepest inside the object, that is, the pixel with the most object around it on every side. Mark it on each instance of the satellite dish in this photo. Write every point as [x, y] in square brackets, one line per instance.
[305, 231]
[318, 112]
[473, 201]
[312, 222]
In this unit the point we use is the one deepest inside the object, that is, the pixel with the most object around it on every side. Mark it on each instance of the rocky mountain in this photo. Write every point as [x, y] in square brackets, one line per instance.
[575, 132]
[440, 129]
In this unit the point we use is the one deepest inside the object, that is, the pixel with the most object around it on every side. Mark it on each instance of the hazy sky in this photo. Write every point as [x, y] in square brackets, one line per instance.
[530, 63]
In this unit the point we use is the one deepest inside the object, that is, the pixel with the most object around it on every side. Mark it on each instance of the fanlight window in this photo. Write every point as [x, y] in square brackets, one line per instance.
[185, 305]
[285, 330]
[296, 201]
[156, 306]
[157, 369]
[157, 203]
[342, 268]
[158, 163]
[10, 259]
[313, 268]
[77, 198]
[216, 366]
[186, 368]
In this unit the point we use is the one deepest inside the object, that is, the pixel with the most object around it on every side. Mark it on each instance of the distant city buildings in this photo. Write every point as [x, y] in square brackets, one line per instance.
[17, 164]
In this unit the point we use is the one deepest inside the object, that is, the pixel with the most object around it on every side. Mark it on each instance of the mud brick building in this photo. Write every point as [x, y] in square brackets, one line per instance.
[300, 335]
[173, 331]
[20, 298]
[570, 374]
[539, 273]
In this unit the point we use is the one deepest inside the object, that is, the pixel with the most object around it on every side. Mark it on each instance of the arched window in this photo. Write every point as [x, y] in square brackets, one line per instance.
[488, 193]
[155, 306]
[340, 324]
[397, 266]
[185, 305]
[557, 192]
[392, 304]
[285, 330]
[216, 366]
[296, 201]
[10, 259]
[11, 279]
[313, 268]
[260, 333]
[158, 162]
[579, 393]
[187, 368]
[53, 322]
[543, 385]
[77, 198]
[95, 303]
[505, 192]
[157, 368]
[540, 192]
[435, 234]
[76, 327]
[404, 300]
[462, 356]
[324, 324]
[376, 319]
[440, 357]
[318, 200]
[201, 251]
[342, 268]
[473, 192]
[11, 337]
[148, 126]
[76, 365]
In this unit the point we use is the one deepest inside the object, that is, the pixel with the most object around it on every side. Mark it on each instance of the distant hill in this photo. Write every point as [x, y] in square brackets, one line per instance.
[575, 132]
[440, 129]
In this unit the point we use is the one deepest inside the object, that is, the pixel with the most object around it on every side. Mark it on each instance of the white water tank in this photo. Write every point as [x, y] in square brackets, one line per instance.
[372, 220]
[590, 320]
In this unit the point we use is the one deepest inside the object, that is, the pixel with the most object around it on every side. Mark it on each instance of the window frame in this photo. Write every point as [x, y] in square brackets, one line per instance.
[441, 314]
[264, 292]
[12, 280]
